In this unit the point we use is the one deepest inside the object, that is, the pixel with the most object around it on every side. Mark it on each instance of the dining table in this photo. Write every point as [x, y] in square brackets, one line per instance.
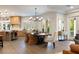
[41, 37]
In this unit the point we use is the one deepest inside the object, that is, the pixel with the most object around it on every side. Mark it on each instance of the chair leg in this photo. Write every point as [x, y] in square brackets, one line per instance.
[46, 44]
[54, 44]
[2, 43]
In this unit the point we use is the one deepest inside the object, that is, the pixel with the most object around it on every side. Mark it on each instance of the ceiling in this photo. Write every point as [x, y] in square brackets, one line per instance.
[28, 10]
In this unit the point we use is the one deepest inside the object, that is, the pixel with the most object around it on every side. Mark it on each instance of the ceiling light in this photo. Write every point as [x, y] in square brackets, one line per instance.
[5, 12]
[71, 7]
[35, 17]
[30, 18]
[41, 18]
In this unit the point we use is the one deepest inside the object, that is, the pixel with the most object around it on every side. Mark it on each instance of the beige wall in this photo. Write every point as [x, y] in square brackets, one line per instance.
[51, 16]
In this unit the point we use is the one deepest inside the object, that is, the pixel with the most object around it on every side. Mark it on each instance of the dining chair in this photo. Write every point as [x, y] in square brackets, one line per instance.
[32, 39]
[51, 39]
[26, 37]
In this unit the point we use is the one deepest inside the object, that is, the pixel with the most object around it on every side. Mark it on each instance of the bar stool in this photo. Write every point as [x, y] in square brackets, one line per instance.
[1, 40]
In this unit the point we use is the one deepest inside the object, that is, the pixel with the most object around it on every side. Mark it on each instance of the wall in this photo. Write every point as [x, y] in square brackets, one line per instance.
[51, 17]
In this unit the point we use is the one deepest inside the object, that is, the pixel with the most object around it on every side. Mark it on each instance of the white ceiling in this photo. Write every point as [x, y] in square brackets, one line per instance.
[28, 10]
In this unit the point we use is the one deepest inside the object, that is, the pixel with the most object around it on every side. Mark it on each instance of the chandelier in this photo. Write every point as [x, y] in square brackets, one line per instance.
[35, 17]
[3, 15]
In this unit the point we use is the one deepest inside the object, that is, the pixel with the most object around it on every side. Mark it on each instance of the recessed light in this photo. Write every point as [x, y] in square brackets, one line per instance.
[71, 7]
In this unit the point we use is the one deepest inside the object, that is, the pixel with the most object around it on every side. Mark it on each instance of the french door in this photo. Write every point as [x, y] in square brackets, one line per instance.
[71, 27]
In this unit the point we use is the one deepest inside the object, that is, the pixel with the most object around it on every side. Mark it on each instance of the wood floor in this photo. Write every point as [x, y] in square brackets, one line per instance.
[20, 47]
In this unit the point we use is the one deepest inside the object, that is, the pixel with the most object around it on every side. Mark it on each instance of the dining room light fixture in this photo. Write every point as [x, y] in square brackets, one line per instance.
[3, 14]
[35, 17]
[71, 7]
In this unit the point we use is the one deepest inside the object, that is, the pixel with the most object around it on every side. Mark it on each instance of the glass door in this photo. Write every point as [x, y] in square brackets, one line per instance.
[72, 28]
[61, 30]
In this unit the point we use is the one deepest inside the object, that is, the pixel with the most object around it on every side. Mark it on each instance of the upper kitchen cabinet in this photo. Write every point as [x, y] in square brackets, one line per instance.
[15, 19]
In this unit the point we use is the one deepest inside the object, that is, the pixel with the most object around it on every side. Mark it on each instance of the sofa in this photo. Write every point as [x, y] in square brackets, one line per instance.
[74, 49]
[76, 39]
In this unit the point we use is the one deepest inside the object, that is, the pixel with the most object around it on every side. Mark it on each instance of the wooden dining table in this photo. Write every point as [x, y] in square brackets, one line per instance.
[41, 37]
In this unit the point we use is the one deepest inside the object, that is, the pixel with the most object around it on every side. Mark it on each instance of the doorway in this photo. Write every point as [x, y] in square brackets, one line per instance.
[61, 30]
[72, 28]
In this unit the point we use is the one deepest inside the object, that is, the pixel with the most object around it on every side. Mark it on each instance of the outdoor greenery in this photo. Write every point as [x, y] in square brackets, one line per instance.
[48, 29]
[71, 25]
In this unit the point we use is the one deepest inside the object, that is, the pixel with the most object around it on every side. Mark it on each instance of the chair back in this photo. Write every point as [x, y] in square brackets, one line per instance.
[51, 38]
[32, 39]
[55, 34]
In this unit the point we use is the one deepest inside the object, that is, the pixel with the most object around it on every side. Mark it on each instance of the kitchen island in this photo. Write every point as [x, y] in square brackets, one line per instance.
[6, 35]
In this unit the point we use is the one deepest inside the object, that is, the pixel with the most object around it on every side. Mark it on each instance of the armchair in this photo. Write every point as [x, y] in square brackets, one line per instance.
[74, 49]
